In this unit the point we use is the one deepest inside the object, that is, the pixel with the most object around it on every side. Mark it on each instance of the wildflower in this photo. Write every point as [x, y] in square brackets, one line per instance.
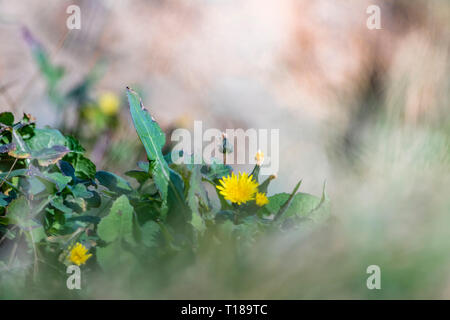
[109, 103]
[238, 189]
[259, 157]
[78, 254]
[261, 199]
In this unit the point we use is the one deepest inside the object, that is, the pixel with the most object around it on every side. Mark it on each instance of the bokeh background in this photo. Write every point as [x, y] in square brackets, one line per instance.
[366, 110]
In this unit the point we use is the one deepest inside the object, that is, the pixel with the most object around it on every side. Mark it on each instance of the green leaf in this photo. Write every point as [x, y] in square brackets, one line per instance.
[36, 186]
[7, 118]
[48, 156]
[153, 139]
[169, 183]
[140, 176]
[215, 170]
[56, 178]
[80, 191]
[288, 202]
[113, 182]
[76, 204]
[196, 194]
[66, 169]
[47, 146]
[21, 151]
[74, 145]
[14, 173]
[46, 138]
[149, 232]
[58, 203]
[18, 211]
[84, 168]
[303, 206]
[35, 232]
[118, 224]
[3, 202]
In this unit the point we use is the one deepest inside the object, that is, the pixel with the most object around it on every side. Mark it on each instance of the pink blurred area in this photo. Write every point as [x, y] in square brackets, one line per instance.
[297, 65]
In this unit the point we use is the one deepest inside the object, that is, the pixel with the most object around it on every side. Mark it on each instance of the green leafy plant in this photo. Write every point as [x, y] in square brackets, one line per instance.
[56, 209]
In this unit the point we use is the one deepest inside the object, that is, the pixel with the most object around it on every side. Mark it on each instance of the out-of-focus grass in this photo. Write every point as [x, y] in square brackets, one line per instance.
[392, 209]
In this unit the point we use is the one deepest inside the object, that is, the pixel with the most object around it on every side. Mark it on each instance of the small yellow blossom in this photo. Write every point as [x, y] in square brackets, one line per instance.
[259, 157]
[261, 199]
[78, 254]
[109, 103]
[238, 189]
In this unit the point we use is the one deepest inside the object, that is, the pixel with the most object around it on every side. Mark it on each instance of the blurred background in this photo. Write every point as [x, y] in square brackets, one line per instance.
[366, 110]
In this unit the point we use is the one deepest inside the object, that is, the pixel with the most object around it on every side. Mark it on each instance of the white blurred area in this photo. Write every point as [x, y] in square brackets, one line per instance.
[298, 65]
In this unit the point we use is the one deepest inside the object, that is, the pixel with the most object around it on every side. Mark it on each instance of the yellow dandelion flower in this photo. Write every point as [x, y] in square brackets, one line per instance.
[259, 157]
[109, 103]
[78, 254]
[261, 199]
[238, 189]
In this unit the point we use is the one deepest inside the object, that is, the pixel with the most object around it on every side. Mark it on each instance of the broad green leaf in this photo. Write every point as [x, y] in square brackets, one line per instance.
[118, 224]
[74, 145]
[45, 138]
[18, 211]
[149, 231]
[55, 178]
[66, 169]
[303, 205]
[288, 202]
[113, 182]
[76, 204]
[3, 202]
[21, 151]
[153, 139]
[35, 232]
[58, 203]
[7, 118]
[80, 191]
[47, 146]
[14, 173]
[140, 176]
[48, 156]
[169, 183]
[196, 194]
[36, 186]
[215, 170]
[84, 168]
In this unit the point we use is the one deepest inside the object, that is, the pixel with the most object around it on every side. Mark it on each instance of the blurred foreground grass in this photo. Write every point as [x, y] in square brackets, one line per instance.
[391, 209]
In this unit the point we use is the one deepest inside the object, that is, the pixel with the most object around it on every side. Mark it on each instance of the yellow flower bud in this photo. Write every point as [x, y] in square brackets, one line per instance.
[109, 103]
[259, 157]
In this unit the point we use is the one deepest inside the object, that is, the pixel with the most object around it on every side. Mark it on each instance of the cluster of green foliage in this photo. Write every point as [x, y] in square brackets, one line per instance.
[52, 196]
